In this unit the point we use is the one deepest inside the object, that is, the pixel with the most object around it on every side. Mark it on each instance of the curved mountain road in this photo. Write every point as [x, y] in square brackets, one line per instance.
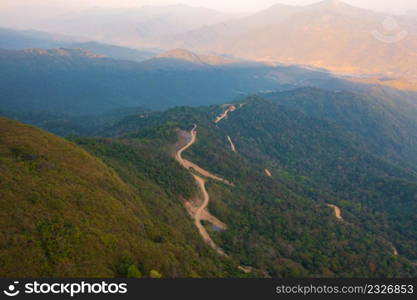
[190, 165]
[337, 211]
[201, 212]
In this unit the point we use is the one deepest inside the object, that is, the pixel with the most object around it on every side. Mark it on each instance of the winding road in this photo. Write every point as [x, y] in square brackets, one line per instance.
[201, 212]
[268, 173]
[190, 165]
[337, 211]
[338, 215]
[231, 108]
[232, 146]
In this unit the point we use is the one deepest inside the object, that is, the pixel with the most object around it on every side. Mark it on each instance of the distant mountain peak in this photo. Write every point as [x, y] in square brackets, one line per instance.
[182, 54]
[64, 52]
[333, 2]
[203, 59]
[332, 5]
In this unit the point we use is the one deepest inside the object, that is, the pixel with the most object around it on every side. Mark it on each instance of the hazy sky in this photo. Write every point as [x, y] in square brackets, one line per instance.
[223, 5]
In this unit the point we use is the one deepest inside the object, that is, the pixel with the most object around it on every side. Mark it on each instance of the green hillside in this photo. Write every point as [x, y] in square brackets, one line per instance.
[282, 224]
[181, 142]
[387, 125]
[65, 213]
[118, 209]
[333, 165]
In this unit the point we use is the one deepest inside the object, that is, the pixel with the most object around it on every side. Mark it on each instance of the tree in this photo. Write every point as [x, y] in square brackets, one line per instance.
[133, 272]
[155, 274]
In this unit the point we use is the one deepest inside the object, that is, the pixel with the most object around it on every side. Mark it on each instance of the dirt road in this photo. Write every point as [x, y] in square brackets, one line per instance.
[231, 108]
[338, 215]
[201, 212]
[190, 165]
[232, 146]
[178, 154]
[337, 211]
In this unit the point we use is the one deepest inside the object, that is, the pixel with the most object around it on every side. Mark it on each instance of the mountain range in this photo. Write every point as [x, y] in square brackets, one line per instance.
[83, 82]
[80, 81]
[24, 39]
[132, 27]
[330, 34]
[322, 35]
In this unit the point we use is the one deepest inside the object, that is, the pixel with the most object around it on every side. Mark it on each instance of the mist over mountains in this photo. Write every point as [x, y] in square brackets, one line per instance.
[135, 27]
[329, 34]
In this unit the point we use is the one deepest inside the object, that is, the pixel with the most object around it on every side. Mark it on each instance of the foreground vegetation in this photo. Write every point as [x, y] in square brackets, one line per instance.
[65, 213]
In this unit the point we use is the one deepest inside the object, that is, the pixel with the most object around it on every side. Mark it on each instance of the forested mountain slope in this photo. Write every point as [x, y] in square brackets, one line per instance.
[82, 82]
[333, 163]
[289, 170]
[387, 125]
[282, 223]
[66, 213]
